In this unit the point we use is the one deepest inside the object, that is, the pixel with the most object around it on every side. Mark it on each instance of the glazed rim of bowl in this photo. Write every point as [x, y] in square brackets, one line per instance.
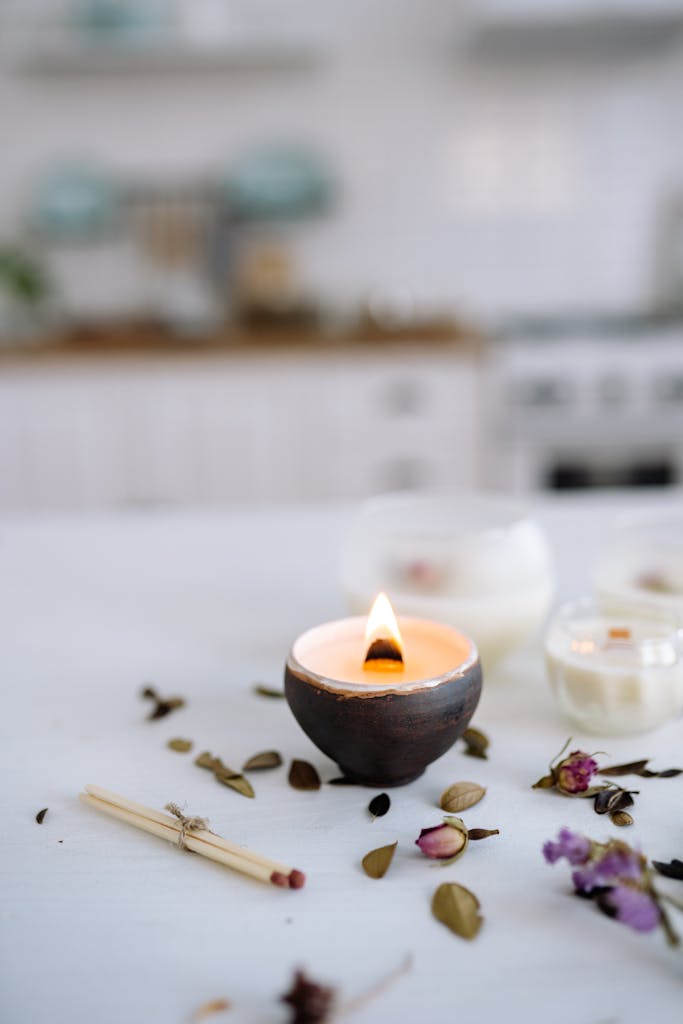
[460, 666]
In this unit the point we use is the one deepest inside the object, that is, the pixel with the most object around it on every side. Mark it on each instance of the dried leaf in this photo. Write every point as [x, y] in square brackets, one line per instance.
[267, 691]
[460, 796]
[162, 705]
[259, 762]
[609, 800]
[226, 776]
[545, 782]
[621, 818]
[303, 775]
[629, 768]
[40, 816]
[457, 908]
[237, 782]
[182, 746]
[342, 780]
[483, 833]
[379, 805]
[376, 863]
[476, 743]
[207, 1009]
[640, 768]
[674, 869]
[205, 760]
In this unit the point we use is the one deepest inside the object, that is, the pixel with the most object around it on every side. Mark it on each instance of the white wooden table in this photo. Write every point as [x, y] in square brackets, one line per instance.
[101, 923]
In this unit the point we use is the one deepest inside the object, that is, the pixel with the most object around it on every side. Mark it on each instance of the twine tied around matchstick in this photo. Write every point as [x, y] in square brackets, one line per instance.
[186, 824]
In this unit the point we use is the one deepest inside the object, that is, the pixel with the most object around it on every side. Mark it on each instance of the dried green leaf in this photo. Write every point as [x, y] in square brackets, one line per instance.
[629, 768]
[226, 776]
[457, 908]
[162, 705]
[303, 775]
[621, 818]
[267, 691]
[40, 816]
[483, 833]
[260, 762]
[476, 743]
[668, 773]
[379, 805]
[376, 863]
[206, 760]
[182, 746]
[545, 782]
[460, 796]
[674, 869]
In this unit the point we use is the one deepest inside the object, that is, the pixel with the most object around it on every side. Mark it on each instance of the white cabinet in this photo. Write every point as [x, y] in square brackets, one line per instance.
[109, 431]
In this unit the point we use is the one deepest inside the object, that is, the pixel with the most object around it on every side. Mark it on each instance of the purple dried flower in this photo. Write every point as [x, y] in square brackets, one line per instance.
[576, 848]
[632, 906]
[443, 842]
[574, 774]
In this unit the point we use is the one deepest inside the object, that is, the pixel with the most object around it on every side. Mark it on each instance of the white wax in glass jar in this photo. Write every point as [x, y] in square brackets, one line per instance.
[614, 675]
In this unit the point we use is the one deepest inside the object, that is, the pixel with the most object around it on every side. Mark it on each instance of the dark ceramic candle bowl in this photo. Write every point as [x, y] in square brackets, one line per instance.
[386, 732]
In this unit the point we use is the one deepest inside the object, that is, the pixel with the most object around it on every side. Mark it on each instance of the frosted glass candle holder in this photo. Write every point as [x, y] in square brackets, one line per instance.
[478, 562]
[614, 674]
[641, 570]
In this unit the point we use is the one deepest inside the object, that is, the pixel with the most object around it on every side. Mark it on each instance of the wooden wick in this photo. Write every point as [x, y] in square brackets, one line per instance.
[384, 654]
[201, 841]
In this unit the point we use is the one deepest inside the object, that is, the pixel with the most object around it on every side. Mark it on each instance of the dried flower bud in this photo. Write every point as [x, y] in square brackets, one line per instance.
[574, 774]
[444, 842]
[310, 1002]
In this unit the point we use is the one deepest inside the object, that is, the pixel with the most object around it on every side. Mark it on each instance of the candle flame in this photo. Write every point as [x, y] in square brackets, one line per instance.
[383, 637]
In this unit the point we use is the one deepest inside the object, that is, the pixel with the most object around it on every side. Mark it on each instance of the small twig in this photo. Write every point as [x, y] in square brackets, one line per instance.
[375, 990]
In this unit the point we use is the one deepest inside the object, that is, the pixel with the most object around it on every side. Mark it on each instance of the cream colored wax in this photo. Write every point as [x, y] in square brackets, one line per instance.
[614, 686]
[335, 653]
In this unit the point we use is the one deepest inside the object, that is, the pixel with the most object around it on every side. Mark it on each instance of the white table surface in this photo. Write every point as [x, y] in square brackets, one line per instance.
[101, 923]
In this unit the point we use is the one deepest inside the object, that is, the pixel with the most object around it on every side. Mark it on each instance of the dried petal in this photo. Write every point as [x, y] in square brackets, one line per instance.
[376, 863]
[207, 1009]
[476, 743]
[267, 691]
[303, 775]
[444, 842]
[259, 762]
[237, 782]
[379, 805]
[40, 816]
[182, 746]
[460, 796]
[457, 908]
[674, 869]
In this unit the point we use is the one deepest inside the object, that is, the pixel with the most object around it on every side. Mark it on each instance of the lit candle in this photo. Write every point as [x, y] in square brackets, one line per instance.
[614, 674]
[383, 698]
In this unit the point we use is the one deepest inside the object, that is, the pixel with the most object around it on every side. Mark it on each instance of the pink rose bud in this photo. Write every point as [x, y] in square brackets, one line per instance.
[443, 842]
[574, 774]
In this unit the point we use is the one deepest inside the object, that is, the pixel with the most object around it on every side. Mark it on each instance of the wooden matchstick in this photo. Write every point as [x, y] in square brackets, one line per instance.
[200, 841]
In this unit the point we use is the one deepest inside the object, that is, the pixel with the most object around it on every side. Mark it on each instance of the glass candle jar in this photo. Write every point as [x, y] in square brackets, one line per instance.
[615, 674]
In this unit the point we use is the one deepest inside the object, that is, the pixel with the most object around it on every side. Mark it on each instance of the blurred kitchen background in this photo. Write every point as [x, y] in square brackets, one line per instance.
[280, 250]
